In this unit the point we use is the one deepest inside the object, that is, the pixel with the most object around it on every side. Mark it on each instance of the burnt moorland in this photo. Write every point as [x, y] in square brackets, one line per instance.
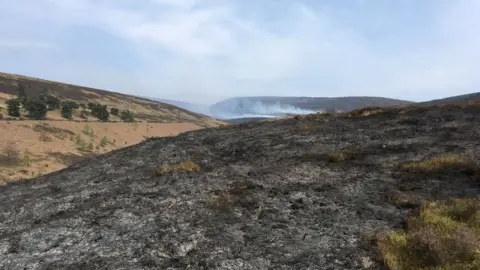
[310, 192]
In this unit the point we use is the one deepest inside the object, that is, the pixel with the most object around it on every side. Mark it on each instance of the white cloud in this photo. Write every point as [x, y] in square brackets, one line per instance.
[222, 48]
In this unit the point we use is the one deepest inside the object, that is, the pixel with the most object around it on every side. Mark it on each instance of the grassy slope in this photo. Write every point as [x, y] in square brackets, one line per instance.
[143, 109]
[34, 148]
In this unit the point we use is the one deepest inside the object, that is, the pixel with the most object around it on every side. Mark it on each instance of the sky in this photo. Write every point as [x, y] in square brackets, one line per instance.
[203, 51]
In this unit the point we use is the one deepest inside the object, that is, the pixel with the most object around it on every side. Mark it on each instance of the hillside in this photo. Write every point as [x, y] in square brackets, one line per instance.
[143, 109]
[312, 192]
[33, 148]
[249, 107]
[461, 99]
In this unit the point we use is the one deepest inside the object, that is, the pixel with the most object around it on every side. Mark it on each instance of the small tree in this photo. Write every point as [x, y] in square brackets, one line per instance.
[13, 107]
[52, 102]
[36, 109]
[127, 116]
[22, 95]
[114, 111]
[66, 111]
[101, 112]
[91, 106]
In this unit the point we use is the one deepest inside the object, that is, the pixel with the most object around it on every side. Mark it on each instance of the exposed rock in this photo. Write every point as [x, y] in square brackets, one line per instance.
[266, 196]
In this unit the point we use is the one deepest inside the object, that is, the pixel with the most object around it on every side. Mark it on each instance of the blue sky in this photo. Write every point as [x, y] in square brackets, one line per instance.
[206, 50]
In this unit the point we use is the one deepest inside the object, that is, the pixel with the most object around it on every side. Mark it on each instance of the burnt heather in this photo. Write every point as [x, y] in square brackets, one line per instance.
[304, 193]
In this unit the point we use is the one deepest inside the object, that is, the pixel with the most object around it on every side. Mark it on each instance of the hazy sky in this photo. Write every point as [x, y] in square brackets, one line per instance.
[207, 50]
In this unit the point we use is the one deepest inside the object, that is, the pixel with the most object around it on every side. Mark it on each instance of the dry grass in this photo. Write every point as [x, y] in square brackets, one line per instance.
[373, 111]
[342, 156]
[187, 166]
[444, 235]
[443, 164]
[10, 155]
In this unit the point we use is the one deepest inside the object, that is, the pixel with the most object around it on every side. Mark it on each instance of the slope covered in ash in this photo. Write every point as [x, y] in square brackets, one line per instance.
[300, 193]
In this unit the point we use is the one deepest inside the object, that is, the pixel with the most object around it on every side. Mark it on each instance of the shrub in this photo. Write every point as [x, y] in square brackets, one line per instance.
[13, 107]
[127, 116]
[66, 111]
[22, 95]
[445, 235]
[82, 145]
[36, 109]
[88, 131]
[104, 142]
[100, 111]
[52, 102]
[114, 111]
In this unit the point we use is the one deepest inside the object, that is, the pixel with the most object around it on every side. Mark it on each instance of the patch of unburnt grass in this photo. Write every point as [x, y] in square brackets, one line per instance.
[442, 235]
[367, 111]
[444, 164]
[186, 166]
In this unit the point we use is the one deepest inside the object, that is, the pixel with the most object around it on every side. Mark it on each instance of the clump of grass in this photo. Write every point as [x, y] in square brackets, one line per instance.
[104, 142]
[88, 131]
[341, 156]
[372, 111]
[187, 166]
[82, 145]
[444, 235]
[10, 155]
[442, 164]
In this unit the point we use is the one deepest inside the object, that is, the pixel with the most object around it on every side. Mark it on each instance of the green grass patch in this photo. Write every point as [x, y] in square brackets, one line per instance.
[445, 235]
[82, 145]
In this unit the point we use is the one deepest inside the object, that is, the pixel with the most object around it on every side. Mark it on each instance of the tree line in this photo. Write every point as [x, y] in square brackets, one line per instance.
[37, 107]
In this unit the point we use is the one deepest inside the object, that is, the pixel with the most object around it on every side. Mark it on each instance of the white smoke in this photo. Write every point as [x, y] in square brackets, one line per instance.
[245, 108]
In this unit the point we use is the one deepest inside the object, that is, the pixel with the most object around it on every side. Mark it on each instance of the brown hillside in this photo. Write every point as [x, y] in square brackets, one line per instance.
[33, 148]
[143, 109]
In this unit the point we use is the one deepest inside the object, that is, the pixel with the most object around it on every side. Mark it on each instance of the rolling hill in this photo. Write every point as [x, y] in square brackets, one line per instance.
[460, 99]
[258, 107]
[143, 109]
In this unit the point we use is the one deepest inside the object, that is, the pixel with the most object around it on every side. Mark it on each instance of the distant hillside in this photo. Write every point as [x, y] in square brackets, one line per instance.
[193, 107]
[467, 98]
[242, 107]
[143, 109]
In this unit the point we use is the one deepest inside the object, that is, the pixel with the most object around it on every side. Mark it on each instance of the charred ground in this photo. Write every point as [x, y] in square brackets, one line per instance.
[301, 193]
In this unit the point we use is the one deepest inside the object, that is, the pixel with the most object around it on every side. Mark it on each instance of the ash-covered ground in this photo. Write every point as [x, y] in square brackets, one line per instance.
[304, 193]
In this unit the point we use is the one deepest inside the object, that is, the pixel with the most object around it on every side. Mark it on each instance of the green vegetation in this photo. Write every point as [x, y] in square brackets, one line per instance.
[82, 145]
[99, 111]
[52, 102]
[114, 111]
[445, 235]
[66, 111]
[88, 131]
[127, 116]
[13, 107]
[104, 142]
[37, 109]
[22, 95]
